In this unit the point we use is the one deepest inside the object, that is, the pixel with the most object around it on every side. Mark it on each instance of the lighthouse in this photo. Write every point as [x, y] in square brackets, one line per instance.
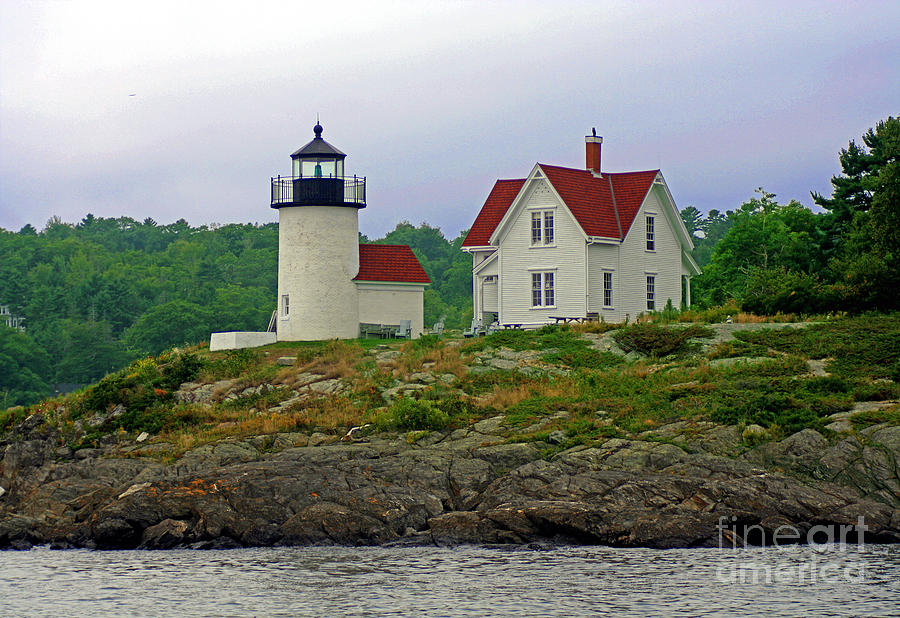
[318, 244]
[330, 286]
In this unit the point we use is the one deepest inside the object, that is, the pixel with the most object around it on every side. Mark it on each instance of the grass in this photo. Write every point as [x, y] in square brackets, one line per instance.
[890, 415]
[674, 382]
[866, 346]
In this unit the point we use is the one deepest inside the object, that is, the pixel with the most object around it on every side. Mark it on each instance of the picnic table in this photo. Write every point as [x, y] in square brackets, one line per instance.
[575, 319]
[567, 319]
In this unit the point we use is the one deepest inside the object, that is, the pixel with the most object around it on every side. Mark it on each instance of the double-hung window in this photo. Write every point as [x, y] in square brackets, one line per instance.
[651, 292]
[651, 233]
[607, 289]
[542, 228]
[285, 306]
[543, 289]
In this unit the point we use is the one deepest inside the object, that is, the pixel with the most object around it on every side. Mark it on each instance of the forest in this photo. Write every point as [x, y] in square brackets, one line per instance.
[102, 292]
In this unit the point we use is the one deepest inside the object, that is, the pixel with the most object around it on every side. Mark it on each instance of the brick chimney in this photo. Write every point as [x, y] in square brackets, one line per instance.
[592, 145]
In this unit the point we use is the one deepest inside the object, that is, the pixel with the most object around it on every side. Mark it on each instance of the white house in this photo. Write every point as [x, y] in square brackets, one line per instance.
[578, 243]
[329, 286]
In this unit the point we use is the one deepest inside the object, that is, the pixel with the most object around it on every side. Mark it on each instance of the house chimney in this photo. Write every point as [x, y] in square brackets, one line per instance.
[592, 145]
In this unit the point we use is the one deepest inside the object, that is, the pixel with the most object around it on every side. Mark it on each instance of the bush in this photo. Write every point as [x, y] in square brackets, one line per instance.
[144, 383]
[409, 414]
[659, 341]
[778, 290]
[234, 363]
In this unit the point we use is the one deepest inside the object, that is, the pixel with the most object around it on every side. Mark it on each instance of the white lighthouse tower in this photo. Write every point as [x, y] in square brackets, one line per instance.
[318, 244]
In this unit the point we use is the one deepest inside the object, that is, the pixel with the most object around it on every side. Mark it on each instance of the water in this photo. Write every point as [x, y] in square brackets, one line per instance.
[807, 580]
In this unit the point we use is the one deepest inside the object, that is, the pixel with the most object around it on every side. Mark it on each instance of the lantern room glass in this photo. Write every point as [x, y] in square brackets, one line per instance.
[318, 168]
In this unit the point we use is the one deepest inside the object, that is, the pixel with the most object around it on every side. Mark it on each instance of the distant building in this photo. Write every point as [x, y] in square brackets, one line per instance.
[12, 321]
[579, 243]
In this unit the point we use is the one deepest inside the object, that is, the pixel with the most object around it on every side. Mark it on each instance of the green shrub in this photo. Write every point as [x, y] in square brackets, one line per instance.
[583, 357]
[866, 346]
[234, 363]
[876, 391]
[11, 416]
[876, 417]
[778, 290]
[425, 342]
[409, 414]
[659, 341]
[144, 383]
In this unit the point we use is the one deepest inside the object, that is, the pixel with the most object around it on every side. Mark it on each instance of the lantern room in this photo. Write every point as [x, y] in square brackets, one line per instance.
[318, 159]
[317, 178]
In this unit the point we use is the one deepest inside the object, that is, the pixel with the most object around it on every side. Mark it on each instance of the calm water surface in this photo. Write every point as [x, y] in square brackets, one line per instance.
[812, 581]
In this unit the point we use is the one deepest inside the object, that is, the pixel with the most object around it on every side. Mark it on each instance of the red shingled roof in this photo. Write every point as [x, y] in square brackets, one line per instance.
[390, 263]
[588, 198]
[502, 195]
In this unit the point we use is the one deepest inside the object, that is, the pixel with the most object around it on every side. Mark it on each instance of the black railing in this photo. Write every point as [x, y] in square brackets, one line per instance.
[311, 191]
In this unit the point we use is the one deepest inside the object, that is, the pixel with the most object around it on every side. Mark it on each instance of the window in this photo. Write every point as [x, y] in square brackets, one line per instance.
[651, 292]
[542, 228]
[607, 289]
[285, 305]
[651, 238]
[535, 228]
[543, 292]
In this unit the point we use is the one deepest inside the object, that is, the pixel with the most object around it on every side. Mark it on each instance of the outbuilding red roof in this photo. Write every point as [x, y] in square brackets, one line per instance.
[600, 205]
[396, 263]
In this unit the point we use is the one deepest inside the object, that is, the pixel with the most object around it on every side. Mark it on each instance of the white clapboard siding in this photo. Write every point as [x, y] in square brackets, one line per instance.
[604, 258]
[636, 262]
[490, 296]
[518, 260]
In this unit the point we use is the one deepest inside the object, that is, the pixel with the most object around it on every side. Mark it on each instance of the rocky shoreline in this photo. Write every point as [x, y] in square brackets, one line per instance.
[670, 487]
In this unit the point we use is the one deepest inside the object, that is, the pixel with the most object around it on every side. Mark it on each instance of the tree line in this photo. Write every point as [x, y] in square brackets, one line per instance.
[104, 291]
[100, 293]
[771, 257]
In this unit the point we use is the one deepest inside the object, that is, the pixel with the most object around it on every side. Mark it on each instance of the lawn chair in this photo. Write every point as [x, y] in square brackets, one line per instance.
[493, 328]
[403, 331]
[477, 328]
[438, 328]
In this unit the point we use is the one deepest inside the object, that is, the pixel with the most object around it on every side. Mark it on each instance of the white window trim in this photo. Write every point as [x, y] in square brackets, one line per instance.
[654, 217]
[612, 289]
[543, 212]
[285, 307]
[542, 272]
[647, 275]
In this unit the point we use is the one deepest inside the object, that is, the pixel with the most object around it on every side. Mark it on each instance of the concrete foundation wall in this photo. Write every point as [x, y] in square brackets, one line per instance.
[236, 340]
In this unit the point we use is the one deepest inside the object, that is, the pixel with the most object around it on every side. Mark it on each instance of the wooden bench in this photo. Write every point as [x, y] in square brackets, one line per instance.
[377, 331]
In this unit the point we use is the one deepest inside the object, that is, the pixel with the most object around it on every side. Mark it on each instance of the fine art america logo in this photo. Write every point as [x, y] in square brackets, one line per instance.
[834, 557]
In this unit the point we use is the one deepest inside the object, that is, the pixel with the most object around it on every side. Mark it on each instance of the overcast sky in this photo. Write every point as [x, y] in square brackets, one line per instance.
[431, 101]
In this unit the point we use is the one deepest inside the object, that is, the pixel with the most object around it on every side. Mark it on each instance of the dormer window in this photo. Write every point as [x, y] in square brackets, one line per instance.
[542, 232]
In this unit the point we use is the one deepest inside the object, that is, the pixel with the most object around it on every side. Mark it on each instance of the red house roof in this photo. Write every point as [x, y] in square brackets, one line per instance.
[501, 196]
[396, 263]
[604, 206]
